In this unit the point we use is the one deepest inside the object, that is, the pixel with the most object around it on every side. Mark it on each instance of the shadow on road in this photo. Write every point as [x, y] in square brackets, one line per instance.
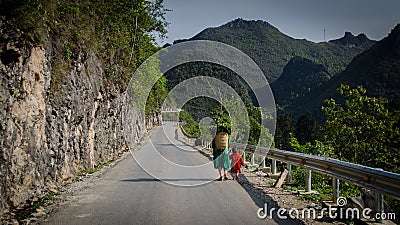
[260, 197]
[170, 145]
[162, 180]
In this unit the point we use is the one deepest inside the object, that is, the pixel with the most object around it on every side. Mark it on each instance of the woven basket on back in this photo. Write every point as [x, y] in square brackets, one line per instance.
[221, 141]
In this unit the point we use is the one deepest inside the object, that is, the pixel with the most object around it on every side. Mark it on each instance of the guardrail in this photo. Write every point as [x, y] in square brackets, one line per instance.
[382, 182]
[189, 139]
[378, 180]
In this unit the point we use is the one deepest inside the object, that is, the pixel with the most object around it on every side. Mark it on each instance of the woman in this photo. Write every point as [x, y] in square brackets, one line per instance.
[220, 145]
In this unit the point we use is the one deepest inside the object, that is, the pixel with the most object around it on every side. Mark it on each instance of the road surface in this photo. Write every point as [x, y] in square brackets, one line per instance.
[126, 194]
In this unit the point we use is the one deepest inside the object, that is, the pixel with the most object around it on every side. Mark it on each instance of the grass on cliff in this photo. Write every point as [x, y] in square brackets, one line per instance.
[31, 207]
[121, 33]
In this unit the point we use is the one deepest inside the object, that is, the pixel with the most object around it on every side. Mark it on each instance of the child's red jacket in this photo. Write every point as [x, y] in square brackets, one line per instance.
[236, 162]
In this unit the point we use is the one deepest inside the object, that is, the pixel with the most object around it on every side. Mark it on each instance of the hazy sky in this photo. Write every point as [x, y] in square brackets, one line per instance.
[296, 18]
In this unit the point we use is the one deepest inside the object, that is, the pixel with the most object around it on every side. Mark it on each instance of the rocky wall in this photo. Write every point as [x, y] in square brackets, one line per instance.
[47, 138]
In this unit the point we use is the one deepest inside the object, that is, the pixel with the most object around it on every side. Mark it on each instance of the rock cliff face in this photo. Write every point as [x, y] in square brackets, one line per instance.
[47, 138]
[360, 41]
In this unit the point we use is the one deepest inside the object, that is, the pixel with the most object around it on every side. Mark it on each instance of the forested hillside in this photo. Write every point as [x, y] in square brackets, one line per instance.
[299, 77]
[294, 67]
[272, 50]
[377, 69]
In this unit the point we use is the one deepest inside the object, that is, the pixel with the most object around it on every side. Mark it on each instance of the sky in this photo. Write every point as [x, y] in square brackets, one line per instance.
[297, 18]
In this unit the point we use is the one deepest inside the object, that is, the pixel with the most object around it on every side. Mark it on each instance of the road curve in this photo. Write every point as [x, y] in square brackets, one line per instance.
[126, 194]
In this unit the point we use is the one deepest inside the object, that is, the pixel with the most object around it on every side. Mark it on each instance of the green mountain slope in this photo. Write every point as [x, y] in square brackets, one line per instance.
[272, 50]
[377, 69]
[299, 77]
[201, 107]
[300, 65]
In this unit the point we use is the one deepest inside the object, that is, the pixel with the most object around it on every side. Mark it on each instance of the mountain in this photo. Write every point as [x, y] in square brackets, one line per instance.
[299, 77]
[360, 41]
[201, 107]
[377, 69]
[272, 50]
[278, 56]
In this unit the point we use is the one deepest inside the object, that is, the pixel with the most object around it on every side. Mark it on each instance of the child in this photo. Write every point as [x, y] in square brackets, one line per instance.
[236, 163]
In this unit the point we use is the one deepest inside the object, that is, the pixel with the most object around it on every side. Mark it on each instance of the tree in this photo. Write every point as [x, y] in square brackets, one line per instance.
[156, 96]
[306, 127]
[222, 120]
[363, 130]
[284, 127]
[121, 33]
[190, 126]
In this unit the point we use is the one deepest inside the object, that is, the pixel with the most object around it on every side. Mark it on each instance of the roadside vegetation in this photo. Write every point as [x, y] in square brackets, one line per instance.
[358, 129]
[121, 34]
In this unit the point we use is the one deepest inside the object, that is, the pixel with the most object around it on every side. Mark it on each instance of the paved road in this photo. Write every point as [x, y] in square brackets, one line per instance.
[126, 194]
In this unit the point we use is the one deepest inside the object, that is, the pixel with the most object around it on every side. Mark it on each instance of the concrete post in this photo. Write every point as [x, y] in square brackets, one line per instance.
[335, 188]
[381, 206]
[273, 167]
[289, 175]
[308, 180]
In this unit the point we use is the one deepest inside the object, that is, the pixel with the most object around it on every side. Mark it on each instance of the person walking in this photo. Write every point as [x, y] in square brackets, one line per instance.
[236, 164]
[220, 145]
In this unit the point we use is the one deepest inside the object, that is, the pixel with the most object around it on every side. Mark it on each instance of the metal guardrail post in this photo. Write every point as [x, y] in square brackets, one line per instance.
[244, 157]
[335, 188]
[381, 206]
[263, 163]
[289, 175]
[273, 167]
[308, 180]
[252, 159]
